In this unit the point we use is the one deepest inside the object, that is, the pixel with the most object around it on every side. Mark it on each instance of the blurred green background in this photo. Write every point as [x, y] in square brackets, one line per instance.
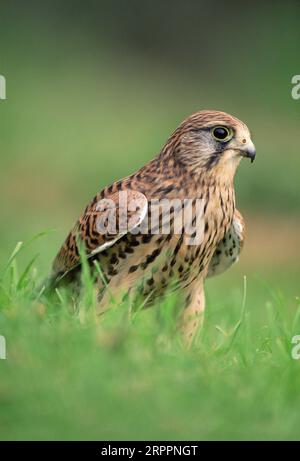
[94, 89]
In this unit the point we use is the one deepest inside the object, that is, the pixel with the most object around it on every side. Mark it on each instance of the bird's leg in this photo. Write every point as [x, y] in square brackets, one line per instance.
[193, 315]
[114, 294]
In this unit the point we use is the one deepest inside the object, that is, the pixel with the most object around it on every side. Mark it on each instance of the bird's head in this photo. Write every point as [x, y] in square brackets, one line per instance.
[212, 141]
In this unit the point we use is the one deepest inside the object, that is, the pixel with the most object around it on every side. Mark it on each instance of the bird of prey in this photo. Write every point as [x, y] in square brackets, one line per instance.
[197, 164]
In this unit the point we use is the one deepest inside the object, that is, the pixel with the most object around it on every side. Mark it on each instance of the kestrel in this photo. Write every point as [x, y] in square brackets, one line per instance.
[196, 166]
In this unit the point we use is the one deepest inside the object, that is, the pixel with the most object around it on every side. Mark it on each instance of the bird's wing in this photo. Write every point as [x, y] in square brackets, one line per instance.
[107, 219]
[228, 250]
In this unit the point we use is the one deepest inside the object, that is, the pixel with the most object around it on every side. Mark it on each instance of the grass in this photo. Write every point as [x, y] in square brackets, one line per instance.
[71, 375]
[64, 136]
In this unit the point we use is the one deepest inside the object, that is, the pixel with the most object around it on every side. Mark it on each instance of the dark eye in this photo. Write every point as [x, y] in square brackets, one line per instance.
[222, 133]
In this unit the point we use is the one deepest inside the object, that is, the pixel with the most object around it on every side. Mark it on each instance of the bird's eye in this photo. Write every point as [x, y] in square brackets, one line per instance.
[222, 133]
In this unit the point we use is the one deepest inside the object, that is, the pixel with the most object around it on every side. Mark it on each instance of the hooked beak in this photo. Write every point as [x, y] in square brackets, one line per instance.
[248, 150]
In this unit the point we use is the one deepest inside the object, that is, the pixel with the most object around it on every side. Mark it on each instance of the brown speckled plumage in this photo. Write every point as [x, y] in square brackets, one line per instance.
[191, 165]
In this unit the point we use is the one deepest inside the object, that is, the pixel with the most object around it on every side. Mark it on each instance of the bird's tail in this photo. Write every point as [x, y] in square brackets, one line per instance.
[48, 285]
